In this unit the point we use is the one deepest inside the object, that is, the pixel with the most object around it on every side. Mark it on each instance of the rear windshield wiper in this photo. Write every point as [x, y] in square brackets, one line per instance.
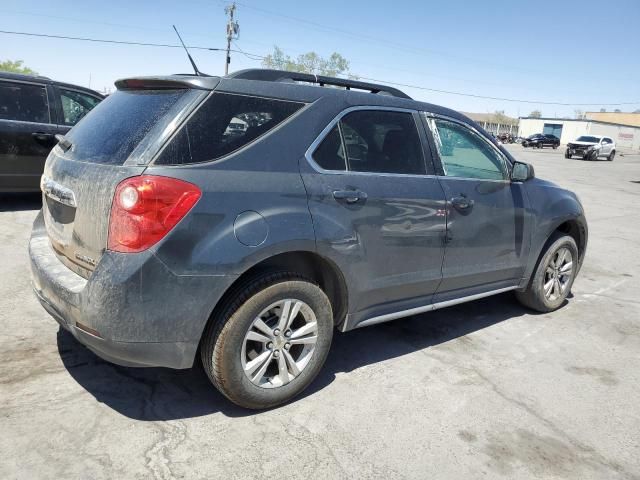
[64, 142]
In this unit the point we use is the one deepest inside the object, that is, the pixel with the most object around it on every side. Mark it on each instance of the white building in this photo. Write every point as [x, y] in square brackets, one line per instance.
[627, 137]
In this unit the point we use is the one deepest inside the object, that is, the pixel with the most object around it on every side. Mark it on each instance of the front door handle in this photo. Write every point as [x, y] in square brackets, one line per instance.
[349, 196]
[462, 203]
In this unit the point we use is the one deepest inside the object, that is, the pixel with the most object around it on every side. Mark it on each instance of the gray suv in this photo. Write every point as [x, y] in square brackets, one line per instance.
[242, 219]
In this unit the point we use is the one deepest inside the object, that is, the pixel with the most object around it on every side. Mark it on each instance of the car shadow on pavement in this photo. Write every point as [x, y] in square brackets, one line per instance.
[152, 394]
[16, 202]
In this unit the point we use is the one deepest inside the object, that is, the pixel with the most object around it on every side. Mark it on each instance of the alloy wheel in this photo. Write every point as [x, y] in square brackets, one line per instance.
[280, 343]
[558, 273]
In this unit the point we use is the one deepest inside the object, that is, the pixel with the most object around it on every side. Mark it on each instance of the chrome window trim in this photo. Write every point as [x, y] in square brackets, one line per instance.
[314, 145]
[36, 84]
[505, 161]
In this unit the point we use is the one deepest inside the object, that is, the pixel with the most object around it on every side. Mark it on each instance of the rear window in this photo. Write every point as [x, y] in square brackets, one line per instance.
[113, 129]
[224, 124]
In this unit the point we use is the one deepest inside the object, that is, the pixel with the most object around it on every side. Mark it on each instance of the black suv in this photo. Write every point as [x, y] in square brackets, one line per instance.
[540, 140]
[33, 110]
[244, 218]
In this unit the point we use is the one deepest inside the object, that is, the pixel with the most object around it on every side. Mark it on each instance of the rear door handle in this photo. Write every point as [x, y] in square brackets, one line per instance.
[462, 203]
[349, 196]
[43, 137]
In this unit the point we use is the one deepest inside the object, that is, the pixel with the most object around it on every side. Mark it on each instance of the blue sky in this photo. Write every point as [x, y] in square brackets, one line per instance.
[565, 51]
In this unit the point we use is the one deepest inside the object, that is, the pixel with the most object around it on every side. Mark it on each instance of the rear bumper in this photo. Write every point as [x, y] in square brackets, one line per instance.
[132, 311]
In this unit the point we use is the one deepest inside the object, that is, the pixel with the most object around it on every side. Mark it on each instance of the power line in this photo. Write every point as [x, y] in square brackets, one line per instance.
[256, 57]
[391, 44]
[497, 98]
[100, 40]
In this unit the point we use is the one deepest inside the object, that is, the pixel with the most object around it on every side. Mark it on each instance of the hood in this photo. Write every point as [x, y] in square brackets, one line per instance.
[575, 142]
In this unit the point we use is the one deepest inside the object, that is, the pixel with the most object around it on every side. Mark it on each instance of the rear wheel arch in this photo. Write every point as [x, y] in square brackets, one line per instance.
[308, 264]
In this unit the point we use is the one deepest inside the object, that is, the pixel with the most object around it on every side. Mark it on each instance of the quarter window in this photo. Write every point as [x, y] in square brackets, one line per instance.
[76, 105]
[464, 154]
[330, 153]
[23, 102]
[224, 124]
[375, 141]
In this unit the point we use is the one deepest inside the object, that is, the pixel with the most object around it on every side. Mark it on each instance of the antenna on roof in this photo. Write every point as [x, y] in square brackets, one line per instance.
[193, 64]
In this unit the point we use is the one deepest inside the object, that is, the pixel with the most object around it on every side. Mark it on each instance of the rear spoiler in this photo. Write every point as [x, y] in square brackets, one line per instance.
[170, 82]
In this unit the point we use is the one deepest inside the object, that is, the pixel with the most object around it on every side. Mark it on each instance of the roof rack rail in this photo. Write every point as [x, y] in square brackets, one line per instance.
[285, 76]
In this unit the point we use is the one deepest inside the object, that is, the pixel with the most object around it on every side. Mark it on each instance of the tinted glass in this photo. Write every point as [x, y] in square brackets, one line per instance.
[117, 125]
[464, 154]
[330, 153]
[224, 124]
[587, 138]
[382, 142]
[76, 105]
[23, 102]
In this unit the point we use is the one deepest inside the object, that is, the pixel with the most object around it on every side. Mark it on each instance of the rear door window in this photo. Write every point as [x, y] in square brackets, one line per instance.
[75, 105]
[375, 141]
[223, 124]
[24, 102]
[112, 130]
[382, 142]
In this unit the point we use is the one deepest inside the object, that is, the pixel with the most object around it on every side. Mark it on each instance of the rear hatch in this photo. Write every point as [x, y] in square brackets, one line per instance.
[116, 140]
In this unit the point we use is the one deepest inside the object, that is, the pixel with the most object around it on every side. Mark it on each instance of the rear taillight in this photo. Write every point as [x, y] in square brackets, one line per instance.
[145, 209]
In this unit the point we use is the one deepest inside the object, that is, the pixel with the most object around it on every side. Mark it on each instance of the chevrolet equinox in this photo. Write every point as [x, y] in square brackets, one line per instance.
[243, 218]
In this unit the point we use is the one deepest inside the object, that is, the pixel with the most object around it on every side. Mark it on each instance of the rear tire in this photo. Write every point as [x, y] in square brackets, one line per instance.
[233, 340]
[543, 293]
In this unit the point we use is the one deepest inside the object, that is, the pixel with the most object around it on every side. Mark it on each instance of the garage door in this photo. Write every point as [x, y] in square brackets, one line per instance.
[552, 129]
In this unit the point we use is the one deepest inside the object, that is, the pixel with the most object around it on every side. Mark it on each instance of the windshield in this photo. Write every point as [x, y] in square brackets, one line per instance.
[535, 135]
[586, 138]
[112, 130]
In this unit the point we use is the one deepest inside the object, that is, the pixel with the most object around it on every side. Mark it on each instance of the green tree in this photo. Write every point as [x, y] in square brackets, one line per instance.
[535, 114]
[501, 118]
[16, 67]
[309, 62]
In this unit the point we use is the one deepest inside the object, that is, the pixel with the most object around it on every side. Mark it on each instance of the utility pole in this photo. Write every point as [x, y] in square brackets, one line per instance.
[233, 32]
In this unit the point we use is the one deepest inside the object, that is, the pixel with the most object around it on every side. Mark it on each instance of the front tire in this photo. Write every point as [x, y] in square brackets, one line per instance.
[270, 341]
[566, 155]
[611, 155]
[553, 277]
[594, 156]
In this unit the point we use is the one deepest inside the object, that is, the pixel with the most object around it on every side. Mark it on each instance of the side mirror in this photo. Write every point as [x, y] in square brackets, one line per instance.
[521, 172]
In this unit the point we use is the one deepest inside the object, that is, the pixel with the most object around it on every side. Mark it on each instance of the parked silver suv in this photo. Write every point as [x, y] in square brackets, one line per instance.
[591, 147]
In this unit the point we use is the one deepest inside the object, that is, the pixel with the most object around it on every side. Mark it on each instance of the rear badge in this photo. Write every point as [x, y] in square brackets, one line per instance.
[85, 259]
